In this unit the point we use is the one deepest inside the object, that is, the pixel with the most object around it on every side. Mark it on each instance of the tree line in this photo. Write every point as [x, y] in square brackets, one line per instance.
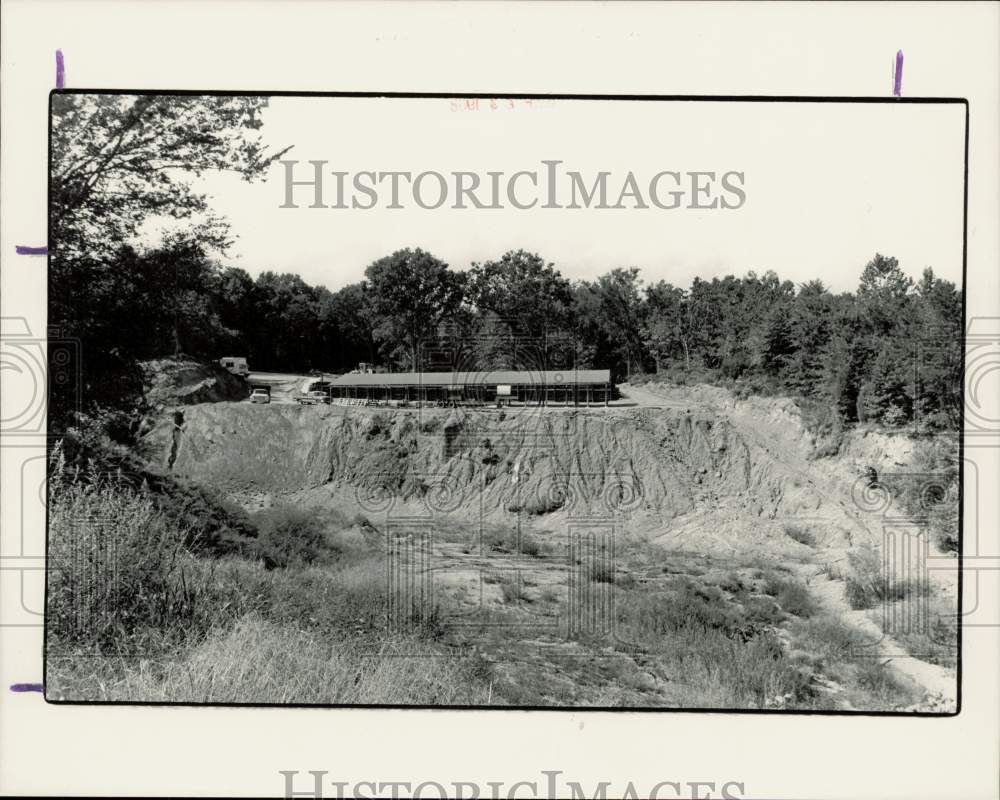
[888, 352]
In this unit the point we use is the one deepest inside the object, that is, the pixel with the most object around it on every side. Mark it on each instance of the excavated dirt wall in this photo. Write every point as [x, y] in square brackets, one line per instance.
[666, 462]
[182, 381]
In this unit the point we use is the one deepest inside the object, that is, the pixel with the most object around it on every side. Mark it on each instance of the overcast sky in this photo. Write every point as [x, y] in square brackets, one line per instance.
[827, 185]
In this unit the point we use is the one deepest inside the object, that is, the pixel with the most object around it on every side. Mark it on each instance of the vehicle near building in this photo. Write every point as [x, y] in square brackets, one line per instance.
[260, 395]
[314, 398]
[236, 365]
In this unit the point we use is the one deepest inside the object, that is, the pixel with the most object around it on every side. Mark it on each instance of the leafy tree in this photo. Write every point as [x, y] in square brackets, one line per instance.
[842, 373]
[412, 294]
[778, 345]
[665, 329]
[936, 330]
[287, 322]
[705, 320]
[610, 314]
[356, 323]
[234, 291]
[883, 294]
[522, 301]
[810, 326]
[118, 161]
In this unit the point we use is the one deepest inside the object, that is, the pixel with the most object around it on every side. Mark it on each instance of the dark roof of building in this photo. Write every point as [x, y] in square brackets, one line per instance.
[548, 378]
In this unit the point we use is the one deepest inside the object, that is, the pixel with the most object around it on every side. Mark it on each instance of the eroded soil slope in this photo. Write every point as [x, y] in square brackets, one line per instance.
[656, 464]
[712, 498]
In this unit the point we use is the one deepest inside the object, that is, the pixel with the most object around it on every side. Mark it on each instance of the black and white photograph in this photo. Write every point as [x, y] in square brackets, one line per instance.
[499, 400]
[515, 401]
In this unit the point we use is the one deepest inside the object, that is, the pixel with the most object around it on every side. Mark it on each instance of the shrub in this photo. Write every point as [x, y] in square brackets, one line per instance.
[530, 546]
[732, 583]
[931, 491]
[538, 503]
[290, 537]
[792, 595]
[503, 539]
[761, 610]
[833, 570]
[800, 533]
[120, 577]
[826, 425]
[867, 583]
[831, 637]
[887, 687]
[647, 616]
[844, 653]
[859, 595]
[936, 639]
[726, 658]
[212, 524]
[942, 520]
[601, 572]
[512, 590]
[335, 600]
[209, 523]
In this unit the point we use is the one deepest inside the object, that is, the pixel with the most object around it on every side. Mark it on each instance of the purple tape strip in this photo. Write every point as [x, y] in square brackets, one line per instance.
[60, 70]
[31, 251]
[27, 687]
[897, 75]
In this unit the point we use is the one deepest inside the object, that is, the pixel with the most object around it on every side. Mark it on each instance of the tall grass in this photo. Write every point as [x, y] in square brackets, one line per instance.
[301, 612]
[258, 661]
[928, 631]
[137, 611]
[792, 596]
[727, 652]
[121, 578]
[828, 645]
[868, 583]
[507, 539]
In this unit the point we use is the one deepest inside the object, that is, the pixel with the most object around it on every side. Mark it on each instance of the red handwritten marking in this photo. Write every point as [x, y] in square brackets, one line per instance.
[460, 105]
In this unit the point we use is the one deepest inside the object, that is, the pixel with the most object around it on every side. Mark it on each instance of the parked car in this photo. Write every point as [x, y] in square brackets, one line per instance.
[259, 395]
[236, 365]
[314, 398]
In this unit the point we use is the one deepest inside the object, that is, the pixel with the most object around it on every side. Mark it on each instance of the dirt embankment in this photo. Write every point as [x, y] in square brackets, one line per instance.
[657, 465]
[702, 474]
[183, 381]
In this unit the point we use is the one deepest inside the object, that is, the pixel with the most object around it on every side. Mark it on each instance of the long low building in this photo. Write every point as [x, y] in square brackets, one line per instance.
[570, 386]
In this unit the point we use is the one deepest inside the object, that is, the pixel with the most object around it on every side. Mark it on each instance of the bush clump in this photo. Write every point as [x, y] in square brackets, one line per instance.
[802, 534]
[290, 537]
[502, 539]
[868, 584]
[792, 595]
[120, 576]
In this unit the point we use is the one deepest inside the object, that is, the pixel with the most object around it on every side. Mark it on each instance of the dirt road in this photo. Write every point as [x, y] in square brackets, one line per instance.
[283, 385]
